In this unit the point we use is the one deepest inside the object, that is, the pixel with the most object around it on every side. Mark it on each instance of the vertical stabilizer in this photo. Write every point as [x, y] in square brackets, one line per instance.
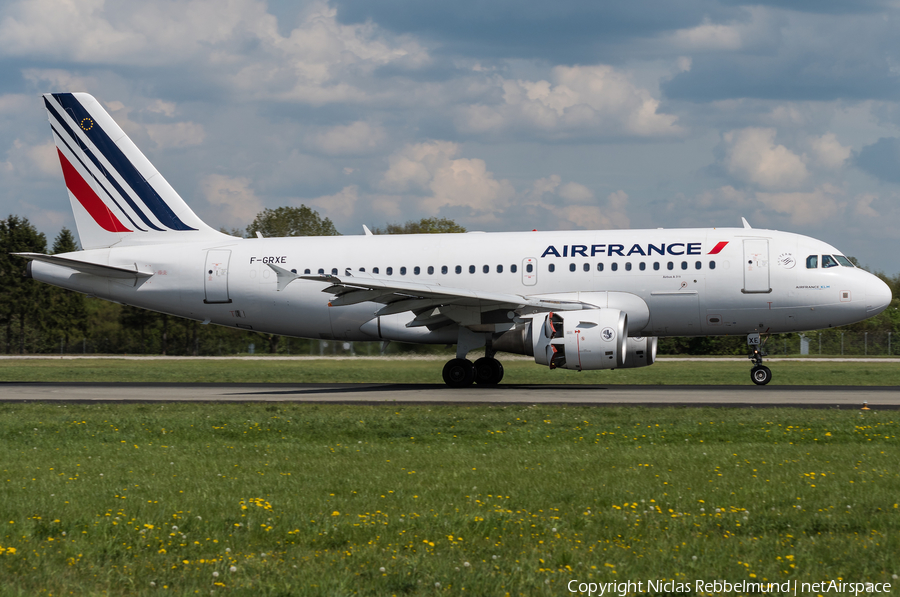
[118, 197]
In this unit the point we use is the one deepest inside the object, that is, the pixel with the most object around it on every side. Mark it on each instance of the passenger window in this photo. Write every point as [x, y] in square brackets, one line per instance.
[417, 270]
[812, 262]
[844, 261]
[684, 265]
[499, 269]
[698, 265]
[614, 266]
[670, 266]
[656, 266]
[403, 271]
[643, 266]
[389, 271]
[550, 268]
[571, 267]
[628, 266]
[444, 269]
[458, 269]
[712, 265]
[362, 269]
[486, 269]
[587, 267]
[321, 271]
[828, 261]
[529, 268]
[374, 270]
[599, 267]
[306, 271]
[513, 268]
[430, 270]
[334, 271]
[471, 269]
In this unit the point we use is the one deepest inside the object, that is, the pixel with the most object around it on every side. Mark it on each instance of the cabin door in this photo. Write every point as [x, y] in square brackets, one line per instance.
[756, 266]
[216, 276]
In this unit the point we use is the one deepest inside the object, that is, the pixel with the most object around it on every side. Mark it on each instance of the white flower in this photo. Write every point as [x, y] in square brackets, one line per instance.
[694, 558]
[437, 585]
[381, 569]
[703, 509]
[553, 529]
[152, 584]
[466, 564]
[233, 569]
[174, 527]
[227, 550]
[215, 575]
[494, 557]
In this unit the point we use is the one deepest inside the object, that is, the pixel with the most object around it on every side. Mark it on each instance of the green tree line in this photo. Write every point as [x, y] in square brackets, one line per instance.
[37, 318]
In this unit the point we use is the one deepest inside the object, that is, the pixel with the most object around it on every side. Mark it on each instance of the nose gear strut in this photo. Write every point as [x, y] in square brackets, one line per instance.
[759, 374]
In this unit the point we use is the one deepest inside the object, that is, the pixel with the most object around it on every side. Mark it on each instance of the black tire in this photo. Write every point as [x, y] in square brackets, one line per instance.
[488, 371]
[761, 375]
[459, 373]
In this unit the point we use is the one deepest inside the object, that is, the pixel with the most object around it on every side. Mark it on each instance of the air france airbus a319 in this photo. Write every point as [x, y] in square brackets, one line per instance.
[581, 299]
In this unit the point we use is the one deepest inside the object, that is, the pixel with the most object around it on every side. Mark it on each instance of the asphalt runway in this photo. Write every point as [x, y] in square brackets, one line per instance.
[599, 395]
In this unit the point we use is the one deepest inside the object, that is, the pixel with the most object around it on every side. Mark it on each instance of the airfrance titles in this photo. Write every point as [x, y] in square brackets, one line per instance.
[620, 250]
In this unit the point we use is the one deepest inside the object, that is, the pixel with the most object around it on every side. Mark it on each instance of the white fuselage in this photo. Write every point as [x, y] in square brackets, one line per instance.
[757, 281]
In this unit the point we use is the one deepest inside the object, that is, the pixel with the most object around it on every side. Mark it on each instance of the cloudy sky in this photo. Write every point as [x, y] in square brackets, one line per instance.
[501, 115]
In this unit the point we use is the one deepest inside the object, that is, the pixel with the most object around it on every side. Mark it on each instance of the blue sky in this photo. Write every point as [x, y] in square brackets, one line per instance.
[502, 115]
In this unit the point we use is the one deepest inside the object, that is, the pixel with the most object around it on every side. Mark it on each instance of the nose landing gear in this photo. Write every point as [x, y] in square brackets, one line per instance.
[759, 374]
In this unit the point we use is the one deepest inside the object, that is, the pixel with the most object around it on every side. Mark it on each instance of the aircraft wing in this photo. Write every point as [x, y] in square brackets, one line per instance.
[433, 304]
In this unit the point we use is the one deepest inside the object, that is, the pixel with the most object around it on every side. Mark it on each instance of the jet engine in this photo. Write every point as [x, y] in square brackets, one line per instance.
[640, 352]
[579, 340]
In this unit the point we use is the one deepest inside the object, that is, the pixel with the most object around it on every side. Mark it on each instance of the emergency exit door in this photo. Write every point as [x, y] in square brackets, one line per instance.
[216, 276]
[529, 271]
[756, 266]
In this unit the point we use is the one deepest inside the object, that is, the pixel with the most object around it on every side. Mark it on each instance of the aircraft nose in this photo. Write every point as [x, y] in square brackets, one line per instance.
[878, 296]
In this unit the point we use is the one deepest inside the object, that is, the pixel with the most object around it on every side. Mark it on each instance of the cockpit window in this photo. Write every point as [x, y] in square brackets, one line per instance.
[844, 261]
[828, 261]
[812, 262]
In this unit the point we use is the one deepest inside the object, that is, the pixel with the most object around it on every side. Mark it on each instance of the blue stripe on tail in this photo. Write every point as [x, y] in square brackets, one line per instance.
[122, 164]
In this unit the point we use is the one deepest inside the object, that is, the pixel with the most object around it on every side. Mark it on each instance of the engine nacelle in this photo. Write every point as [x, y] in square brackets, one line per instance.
[580, 340]
[640, 352]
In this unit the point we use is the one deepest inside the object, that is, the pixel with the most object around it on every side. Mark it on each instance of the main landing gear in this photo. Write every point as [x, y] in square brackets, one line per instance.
[759, 374]
[486, 371]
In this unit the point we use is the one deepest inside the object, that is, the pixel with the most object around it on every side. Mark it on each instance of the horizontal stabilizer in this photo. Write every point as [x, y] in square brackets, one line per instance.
[93, 269]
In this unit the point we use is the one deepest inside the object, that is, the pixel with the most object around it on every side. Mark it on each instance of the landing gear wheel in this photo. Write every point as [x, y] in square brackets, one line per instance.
[761, 375]
[459, 373]
[488, 371]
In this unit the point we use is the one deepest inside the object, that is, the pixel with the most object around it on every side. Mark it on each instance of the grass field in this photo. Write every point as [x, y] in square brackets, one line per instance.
[429, 371]
[264, 500]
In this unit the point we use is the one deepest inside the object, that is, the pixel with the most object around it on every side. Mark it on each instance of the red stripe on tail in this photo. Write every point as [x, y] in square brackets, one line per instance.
[88, 198]
[718, 247]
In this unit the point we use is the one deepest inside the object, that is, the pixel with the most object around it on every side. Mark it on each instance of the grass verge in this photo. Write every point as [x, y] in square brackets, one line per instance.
[429, 371]
[253, 499]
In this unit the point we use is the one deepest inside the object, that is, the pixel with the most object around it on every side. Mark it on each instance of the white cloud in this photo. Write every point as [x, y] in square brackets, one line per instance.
[805, 208]
[176, 134]
[445, 180]
[580, 100]
[237, 41]
[232, 201]
[612, 214]
[863, 205]
[829, 153]
[340, 206]
[352, 139]
[752, 156]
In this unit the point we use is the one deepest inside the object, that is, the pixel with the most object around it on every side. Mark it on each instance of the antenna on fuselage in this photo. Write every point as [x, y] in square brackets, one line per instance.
[366, 230]
[746, 223]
